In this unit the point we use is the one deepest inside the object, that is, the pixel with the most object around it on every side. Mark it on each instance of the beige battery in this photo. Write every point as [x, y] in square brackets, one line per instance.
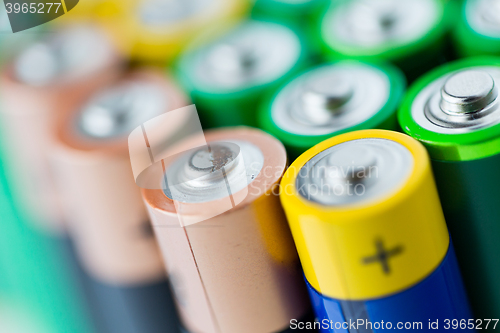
[224, 237]
[103, 207]
[50, 75]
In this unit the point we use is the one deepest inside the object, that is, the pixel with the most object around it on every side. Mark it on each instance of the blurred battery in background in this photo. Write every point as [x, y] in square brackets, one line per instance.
[366, 219]
[228, 78]
[332, 99]
[56, 70]
[410, 33]
[103, 207]
[454, 111]
[156, 31]
[224, 236]
[478, 29]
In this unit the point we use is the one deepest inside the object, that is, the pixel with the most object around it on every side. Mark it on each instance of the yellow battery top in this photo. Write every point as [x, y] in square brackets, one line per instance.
[384, 233]
[156, 31]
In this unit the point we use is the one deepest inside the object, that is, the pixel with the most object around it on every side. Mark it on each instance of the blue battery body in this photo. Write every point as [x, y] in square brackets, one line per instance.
[437, 300]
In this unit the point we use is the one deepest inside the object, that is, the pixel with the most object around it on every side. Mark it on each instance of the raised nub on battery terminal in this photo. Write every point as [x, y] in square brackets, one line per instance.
[467, 92]
[324, 98]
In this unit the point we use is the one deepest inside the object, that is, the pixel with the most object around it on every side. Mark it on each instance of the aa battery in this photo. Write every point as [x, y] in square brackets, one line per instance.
[50, 73]
[478, 30]
[410, 33]
[333, 99]
[454, 111]
[228, 78]
[103, 207]
[224, 236]
[366, 219]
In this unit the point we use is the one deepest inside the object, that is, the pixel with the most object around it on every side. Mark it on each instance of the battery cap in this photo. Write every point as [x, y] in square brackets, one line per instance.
[468, 91]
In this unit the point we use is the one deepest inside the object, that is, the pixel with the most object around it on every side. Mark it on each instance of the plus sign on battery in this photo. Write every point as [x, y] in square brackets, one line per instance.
[383, 255]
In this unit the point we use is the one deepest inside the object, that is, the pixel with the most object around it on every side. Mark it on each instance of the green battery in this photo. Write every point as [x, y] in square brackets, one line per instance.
[478, 30]
[409, 33]
[228, 77]
[455, 112]
[331, 99]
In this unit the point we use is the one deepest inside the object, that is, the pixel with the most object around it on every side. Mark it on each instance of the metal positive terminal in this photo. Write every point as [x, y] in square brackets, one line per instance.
[216, 171]
[254, 53]
[484, 16]
[69, 54]
[463, 101]
[467, 92]
[118, 110]
[355, 172]
[371, 23]
[331, 98]
[163, 12]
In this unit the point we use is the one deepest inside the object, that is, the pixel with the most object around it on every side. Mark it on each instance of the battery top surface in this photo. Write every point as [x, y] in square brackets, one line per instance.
[233, 168]
[355, 172]
[213, 172]
[105, 119]
[116, 111]
[483, 16]
[386, 28]
[358, 193]
[454, 110]
[335, 98]
[66, 56]
[254, 54]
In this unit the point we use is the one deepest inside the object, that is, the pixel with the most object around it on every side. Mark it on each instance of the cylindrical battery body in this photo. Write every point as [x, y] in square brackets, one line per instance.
[478, 30]
[454, 112]
[366, 219]
[103, 207]
[332, 99]
[228, 247]
[409, 33]
[228, 78]
[48, 76]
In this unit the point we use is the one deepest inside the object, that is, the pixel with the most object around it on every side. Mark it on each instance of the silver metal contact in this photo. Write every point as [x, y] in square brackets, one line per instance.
[459, 102]
[355, 172]
[373, 23]
[254, 53]
[118, 110]
[69, 54]
[163, 12]
[216, 171]
[331, 98]
[483, 16]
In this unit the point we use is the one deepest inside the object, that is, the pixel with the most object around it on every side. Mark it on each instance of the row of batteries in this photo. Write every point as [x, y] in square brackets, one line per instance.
[365, 204]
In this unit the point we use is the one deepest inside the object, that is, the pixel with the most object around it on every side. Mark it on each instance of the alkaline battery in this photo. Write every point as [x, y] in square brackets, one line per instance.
[156, 31]
[224, 236]
[478, 31]
[57, 71]
[454, 111]
[228, 77]
[103, 207]
[410, 33]
[366, 219]
[332, 99]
